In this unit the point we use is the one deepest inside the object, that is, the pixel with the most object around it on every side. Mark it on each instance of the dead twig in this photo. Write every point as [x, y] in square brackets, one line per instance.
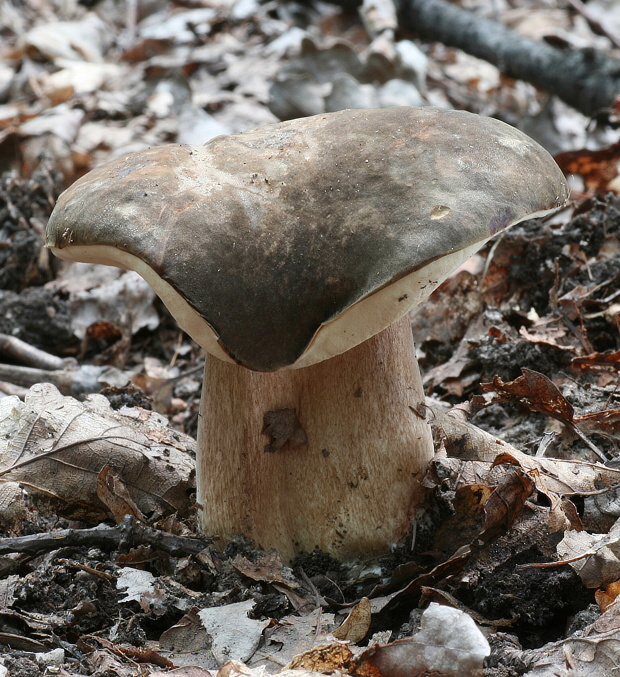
[20, 351]
[127, 534]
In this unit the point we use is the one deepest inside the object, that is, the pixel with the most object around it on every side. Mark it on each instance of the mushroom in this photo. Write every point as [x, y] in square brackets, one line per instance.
[293, 254]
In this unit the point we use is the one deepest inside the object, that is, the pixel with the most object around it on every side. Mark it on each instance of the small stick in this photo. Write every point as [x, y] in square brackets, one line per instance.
[23, 352]
[553, 565]
[128, 533]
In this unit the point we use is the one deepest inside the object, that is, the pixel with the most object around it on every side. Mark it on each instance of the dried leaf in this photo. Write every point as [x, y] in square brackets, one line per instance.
[136, 583]
[610, 358]
[325, 658]
[137, 654]
[234, 635]
[283, 426]
[505, 504]
[563, 477]
[476, 447]
[605, 598]
[268, 568]
[357, 624]
[468, 520]
[125, 302]
[112, 491]
[597, 167]
[448, 643]
[84, 40]
[186, 635]
[594, 557]
[13, 508]
[295, 634]
[56, 447]
[607, 422]
[534, 390]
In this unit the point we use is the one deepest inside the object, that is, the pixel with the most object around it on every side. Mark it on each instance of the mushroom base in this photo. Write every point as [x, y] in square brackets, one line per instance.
[329, 456]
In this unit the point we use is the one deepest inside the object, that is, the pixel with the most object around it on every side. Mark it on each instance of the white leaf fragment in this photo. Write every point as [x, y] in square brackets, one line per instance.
[234, 635]
[448, 643]
[136, 584]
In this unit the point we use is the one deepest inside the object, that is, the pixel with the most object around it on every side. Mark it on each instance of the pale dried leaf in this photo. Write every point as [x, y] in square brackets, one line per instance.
[7, 591]
[179, 27]
[85, 40]
[563, 477]
[448, 643]
[78, 77]
[114, 494]
[593, 652]
[136, 583]
[356, 625]
[126, 302]
[13, 508]
[596, 556]
[56, 447]
[186, 671]
[268, 568]
[239, 669]
[234, 635]
[187, 635]
[324, 658]
[295, 635]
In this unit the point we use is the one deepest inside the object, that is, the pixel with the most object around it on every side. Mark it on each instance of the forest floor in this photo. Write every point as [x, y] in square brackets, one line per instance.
[515, 547]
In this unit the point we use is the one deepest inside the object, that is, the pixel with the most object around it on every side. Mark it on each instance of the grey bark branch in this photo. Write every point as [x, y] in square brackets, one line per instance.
[586, 79]
[128, 534]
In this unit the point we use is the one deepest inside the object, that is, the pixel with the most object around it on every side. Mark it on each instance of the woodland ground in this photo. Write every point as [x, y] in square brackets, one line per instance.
[523, 342]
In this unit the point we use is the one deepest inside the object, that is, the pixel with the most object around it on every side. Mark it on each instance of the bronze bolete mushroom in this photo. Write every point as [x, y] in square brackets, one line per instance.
[292, 254]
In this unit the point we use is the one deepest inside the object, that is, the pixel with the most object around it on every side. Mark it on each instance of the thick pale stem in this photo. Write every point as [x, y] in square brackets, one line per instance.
[352, 488]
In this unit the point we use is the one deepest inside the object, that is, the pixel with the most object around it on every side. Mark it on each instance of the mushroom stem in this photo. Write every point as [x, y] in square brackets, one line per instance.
[352, 487]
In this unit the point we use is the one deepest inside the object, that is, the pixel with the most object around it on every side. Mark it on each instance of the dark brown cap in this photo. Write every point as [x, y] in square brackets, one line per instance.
[289, 244]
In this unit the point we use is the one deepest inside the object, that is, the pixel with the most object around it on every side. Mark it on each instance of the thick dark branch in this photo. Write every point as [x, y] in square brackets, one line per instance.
[128, 534]
[586, 79]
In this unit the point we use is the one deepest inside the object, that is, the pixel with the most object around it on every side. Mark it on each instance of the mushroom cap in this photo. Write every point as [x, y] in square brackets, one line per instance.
[286, 245]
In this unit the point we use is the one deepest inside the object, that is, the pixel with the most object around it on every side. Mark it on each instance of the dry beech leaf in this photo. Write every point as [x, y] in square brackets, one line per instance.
[268, 568]
[593, 651]
[112, 491]
[594, 557]
[597, 167]
[484, 512]
[83, 40]
[233, 634]
[187, 671]
[187, 635]
[468, 519]
[325, 658]
[536, 391]
[448, 644]
[605, 598]
[472, 449]
[563, 477]
[607, 422]
[236, 668]
[56, 447]
[13, 506]
[505, 504]
[283, 426]
[296, 634]
[136, 654]
[610, 358]
[356, 625]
